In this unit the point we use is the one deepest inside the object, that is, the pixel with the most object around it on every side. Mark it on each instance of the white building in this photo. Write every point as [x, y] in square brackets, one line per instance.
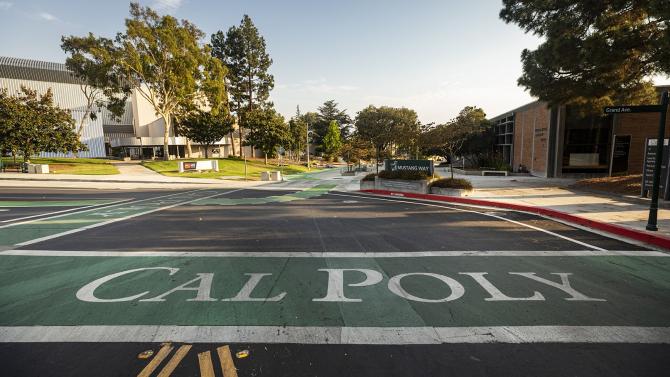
[139, 128]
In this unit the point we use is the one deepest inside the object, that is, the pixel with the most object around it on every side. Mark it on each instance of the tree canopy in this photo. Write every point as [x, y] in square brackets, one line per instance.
[90, 59]
[447, 140]
[161, 58]
[269, 131]
[242, 50]
[206, 127]
[320, 121]
[595, 53]
[297, 134]
[30, 123]
[332, 141]
[386, 126]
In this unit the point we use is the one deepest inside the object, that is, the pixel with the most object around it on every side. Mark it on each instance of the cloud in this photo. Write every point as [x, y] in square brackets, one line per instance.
[48, 16]
[5, 5]
[167, 5]
[316, 86]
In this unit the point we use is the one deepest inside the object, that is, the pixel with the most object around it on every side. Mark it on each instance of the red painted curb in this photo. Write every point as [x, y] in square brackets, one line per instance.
[633, 234]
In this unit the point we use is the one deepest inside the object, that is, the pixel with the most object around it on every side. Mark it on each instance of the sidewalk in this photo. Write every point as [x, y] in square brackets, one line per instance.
[555, 194]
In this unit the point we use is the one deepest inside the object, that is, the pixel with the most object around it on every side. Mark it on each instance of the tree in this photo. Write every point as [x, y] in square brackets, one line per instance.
[595, 53]
[160, 57]
[207, 127]
[355, 149]
[297, 135]
[89, 60]
[269, 131]
[332, 142]
[447, 140]
[327, 113]
[30, 123]
[242, 50]
[386, 126]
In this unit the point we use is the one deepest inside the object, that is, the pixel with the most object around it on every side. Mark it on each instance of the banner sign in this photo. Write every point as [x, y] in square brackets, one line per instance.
[648, 170]
[409, 165]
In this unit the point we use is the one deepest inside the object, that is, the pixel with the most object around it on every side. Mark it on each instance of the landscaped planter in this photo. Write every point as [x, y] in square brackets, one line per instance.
[450, 191]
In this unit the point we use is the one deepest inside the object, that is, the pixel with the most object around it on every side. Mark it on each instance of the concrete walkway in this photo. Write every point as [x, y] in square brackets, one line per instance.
[134, 168]
[628, 211]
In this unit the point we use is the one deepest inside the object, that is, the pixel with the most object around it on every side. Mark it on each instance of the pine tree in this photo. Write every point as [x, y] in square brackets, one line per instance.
[332, 141]
[242, 50]
[595, 53]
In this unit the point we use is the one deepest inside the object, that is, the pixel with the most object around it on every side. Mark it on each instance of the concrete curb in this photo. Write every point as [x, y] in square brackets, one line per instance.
[633, 234]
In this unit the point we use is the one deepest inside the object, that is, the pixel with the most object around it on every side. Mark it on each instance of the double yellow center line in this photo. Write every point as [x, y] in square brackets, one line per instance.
[204, 361]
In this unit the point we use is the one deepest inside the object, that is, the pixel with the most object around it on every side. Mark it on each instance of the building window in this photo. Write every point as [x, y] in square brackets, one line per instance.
[586, 143]
[503, 130]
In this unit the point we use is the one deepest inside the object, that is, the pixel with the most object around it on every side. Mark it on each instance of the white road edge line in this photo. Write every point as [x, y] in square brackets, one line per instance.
[62, 211]
[565, 222]
[93, 209]
[338, 335]
[481, 213]
[121, 218]
[320, 254]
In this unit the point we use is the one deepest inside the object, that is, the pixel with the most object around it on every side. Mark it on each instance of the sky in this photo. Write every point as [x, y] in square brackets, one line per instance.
[434, 56]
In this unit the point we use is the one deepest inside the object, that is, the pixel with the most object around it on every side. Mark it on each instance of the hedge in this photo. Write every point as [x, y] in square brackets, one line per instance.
[453, 183]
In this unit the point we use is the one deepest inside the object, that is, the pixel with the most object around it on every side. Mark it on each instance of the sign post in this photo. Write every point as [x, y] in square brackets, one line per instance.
[663, 110]
[653, 208]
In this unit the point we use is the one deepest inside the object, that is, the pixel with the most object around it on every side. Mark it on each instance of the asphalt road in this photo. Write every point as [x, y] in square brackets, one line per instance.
[317, 282]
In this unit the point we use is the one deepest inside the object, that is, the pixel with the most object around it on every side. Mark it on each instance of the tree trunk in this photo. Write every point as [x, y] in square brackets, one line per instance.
[377, 161]
[232, 143]
[242, 154]
[266, 159]
[251, 107]
[188, 148]
[206, 151]
[166, 137]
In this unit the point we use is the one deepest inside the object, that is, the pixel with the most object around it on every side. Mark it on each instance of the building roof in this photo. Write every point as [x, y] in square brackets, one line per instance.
[35, 70]
[520, 108]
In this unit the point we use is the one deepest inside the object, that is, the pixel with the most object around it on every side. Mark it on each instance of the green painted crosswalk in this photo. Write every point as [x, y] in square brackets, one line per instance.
[321, 291]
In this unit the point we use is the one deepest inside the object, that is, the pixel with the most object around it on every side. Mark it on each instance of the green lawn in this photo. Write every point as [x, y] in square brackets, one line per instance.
[227, 168]
[80, 166]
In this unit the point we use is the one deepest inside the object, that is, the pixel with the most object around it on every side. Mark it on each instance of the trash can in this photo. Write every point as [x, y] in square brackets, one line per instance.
[275, 176]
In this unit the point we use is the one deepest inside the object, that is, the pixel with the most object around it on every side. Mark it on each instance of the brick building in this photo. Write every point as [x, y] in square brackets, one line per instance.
[558, 142]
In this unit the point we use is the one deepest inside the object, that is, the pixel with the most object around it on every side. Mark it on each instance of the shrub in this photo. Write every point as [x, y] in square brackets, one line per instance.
[454, 183]
[404, 175]
[369, 177]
